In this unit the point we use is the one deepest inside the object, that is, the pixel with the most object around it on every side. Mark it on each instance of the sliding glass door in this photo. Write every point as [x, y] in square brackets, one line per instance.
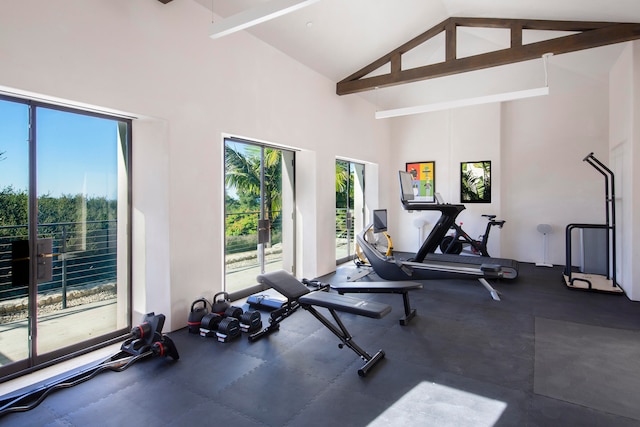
[64, 239]
[14, 185]
[259, 212]
[349, 207]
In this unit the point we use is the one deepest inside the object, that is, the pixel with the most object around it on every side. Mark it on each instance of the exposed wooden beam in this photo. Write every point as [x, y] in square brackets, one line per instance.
[589, 35]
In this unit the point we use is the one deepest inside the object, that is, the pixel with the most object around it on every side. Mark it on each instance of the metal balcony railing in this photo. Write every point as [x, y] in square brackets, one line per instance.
[241, 238]
[344, 233]
[84, 254]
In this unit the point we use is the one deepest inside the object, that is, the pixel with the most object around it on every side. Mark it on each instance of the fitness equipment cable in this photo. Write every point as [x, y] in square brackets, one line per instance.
[136, 348]
[43, 391]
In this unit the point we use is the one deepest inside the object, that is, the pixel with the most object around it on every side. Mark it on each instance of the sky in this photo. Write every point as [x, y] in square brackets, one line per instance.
[76, 154]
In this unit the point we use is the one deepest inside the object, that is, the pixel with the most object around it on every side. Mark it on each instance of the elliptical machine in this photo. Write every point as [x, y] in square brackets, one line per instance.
[453, 244]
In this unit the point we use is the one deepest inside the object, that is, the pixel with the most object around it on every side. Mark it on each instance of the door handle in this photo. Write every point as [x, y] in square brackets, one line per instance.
[264, 231]
[45, 260]
[20, 261]
[39, 256]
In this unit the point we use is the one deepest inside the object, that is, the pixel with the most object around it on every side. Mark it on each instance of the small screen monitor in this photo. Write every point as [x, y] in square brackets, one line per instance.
[379, 220]
[406, 186]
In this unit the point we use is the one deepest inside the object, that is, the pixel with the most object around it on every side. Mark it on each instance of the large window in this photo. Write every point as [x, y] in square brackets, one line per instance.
[259, 212]
[349, 207]
[64, 239]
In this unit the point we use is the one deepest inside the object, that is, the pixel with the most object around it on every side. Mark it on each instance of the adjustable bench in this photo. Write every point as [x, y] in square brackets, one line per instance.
[400, 287]
[298, 295]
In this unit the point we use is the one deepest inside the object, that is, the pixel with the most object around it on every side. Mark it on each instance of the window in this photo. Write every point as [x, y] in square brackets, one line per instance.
[64, 239]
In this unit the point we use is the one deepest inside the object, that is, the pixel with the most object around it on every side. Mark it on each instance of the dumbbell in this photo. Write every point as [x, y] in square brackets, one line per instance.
[223, 328]
[250, 321]
[228, 325]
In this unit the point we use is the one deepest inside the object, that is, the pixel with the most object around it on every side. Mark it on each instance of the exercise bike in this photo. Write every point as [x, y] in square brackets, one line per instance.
[453, 244]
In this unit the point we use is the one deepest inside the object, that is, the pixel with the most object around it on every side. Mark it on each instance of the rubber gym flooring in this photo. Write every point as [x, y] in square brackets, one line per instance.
[544, 355]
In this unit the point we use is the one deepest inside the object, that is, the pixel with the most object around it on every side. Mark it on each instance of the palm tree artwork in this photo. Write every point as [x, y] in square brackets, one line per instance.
[475, 182]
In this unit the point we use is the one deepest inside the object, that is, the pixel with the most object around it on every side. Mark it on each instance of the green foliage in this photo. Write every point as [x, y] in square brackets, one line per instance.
[474, 187]
[242, 172]
[241, 224]
[343, 179]
[345, 187]
[14, 208]
[470, 189]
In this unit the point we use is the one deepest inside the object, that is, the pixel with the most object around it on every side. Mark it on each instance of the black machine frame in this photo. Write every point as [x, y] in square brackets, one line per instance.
[454, 244]
[609, 226]
[426, 265]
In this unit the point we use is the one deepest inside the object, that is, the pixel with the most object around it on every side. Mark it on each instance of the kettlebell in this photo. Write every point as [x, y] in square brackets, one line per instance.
[220, 306]
[196, 314]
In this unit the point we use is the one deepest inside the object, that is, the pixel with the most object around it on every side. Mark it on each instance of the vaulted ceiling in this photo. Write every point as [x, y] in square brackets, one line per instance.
[336, 38]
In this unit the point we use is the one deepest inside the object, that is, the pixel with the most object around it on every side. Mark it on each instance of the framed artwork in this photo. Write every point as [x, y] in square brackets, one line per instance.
[424, 180]
[475, 182]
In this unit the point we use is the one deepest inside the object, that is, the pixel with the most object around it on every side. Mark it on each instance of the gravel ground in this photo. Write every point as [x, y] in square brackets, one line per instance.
[17, 309]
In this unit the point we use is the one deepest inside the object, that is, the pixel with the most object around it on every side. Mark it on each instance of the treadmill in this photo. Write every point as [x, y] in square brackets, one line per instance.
[426, 265]
[449, 213]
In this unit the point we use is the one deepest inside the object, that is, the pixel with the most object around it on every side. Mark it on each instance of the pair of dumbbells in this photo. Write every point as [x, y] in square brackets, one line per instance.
[227, 326]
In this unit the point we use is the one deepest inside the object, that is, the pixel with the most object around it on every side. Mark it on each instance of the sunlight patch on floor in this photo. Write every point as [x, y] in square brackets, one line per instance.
[435, 404]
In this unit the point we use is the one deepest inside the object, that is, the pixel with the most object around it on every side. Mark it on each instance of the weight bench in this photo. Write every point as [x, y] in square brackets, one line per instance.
[400, 287]
[298, 295]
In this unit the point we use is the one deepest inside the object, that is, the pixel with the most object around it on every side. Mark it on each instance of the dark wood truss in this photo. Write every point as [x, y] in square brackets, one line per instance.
[584, 35]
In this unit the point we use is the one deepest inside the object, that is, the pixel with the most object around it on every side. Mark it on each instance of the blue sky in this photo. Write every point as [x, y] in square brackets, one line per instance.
[76, 153]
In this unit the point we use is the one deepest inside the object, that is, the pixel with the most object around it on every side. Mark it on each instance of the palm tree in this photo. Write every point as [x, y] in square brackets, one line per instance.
[242, 171]
[342, 176]
[343, 181]
[469, 187]
[476, 187]
[486, 169]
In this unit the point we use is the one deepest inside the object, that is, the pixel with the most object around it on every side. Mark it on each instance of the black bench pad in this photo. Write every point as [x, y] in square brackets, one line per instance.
[346, 304]
[300, 296]
[284, 283]
[388, 287]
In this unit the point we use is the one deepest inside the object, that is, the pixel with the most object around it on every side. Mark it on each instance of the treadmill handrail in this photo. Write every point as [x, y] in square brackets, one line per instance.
[448, 215]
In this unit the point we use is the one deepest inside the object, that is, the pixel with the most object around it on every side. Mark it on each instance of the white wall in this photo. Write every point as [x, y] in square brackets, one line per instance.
[536, 147]
[156, 61]
[448, 138]
[545, 179]
[624, 140]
